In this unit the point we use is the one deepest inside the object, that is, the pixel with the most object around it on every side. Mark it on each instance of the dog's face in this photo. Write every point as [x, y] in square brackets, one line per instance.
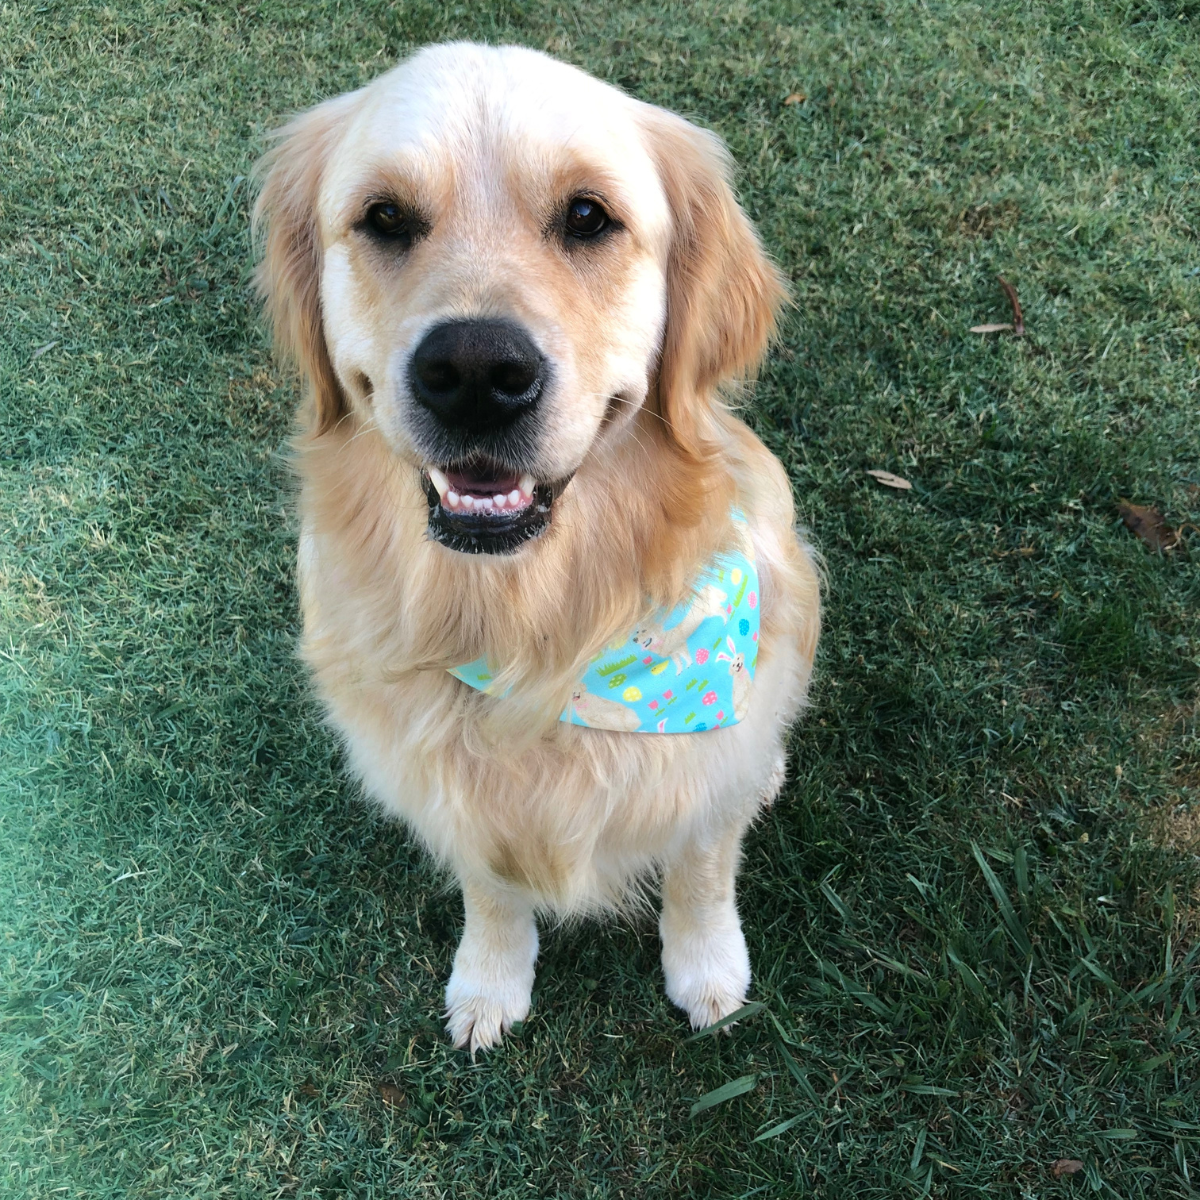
[475, 256]
[494, 236]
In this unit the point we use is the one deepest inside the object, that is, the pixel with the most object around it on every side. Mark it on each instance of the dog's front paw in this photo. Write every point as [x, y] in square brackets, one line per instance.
[490, 989]
[707, 970]
[478, 1017]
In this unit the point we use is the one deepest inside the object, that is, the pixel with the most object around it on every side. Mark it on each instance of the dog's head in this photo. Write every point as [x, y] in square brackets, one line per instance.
[496, 261]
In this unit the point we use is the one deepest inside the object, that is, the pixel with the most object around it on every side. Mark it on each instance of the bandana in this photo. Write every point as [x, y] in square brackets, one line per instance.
[683, 671]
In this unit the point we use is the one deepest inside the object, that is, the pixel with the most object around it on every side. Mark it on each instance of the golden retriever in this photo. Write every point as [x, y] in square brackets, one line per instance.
[513, 293]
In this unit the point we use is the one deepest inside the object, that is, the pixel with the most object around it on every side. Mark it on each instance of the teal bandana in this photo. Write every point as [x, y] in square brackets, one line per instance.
[683, 672]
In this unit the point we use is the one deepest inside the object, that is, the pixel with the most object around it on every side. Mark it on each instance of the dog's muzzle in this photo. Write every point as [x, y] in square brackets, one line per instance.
[482, 509]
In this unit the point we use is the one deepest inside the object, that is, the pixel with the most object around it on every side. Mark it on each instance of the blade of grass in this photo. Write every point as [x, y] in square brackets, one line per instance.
[741, 1014]
[798, 1074]
[1020, 939]
[781, 1128]
[727, 1091]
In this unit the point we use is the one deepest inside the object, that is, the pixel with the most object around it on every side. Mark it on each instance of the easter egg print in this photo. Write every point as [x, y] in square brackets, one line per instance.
[743, 627]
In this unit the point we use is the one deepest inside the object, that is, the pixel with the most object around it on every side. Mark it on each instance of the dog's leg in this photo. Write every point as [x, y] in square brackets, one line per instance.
[492, 980]
[704, 955]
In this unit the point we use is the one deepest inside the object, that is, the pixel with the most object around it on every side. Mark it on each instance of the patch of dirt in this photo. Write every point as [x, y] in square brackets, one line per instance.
[1177, 735]
[983, 220]
[1177, 827]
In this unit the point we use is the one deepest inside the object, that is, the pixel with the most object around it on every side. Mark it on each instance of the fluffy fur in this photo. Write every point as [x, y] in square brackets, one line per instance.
[532, 814]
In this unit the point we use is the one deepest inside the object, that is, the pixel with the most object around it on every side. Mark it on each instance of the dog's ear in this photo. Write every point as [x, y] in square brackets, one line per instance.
[722, 291]
[289, 276]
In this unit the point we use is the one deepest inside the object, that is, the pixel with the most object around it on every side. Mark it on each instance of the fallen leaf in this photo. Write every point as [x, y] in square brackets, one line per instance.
[890, 480]
[1148, 524]
[392, 1096]
[989, 328]
[796, 98]
[1065, 1166]
[1011, 293]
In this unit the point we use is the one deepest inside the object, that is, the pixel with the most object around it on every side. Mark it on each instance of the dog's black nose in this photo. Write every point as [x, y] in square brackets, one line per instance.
[477, 375]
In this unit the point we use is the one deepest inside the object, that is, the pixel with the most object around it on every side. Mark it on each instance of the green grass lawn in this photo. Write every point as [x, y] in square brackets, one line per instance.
[974, 913]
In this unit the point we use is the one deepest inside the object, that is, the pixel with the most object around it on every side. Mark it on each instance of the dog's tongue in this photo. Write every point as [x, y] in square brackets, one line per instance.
[482, 489]
[479, 483]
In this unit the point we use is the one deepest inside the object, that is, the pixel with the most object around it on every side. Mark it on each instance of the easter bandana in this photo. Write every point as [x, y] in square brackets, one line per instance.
[684, 671]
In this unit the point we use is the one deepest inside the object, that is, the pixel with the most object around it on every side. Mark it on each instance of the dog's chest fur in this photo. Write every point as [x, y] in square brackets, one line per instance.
[573, 815]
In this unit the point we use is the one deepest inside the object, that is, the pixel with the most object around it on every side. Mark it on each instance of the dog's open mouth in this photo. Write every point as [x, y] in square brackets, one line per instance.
[483, 508]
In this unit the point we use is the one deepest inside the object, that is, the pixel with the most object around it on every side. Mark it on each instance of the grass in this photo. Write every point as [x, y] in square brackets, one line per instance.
[974, 912]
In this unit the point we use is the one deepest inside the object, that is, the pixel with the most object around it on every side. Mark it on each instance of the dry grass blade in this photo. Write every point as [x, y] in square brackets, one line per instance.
[889, 480]
[1018, 318]
[990, 328]
[796, 98]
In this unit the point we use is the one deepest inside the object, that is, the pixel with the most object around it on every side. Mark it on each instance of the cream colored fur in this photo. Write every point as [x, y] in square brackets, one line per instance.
[530, 813]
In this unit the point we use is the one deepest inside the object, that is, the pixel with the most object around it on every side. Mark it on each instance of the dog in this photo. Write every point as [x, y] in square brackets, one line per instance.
[513, 294]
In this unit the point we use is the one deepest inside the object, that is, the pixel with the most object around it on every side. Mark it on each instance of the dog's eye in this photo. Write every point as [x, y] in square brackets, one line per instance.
[585, 218]
[390, 221]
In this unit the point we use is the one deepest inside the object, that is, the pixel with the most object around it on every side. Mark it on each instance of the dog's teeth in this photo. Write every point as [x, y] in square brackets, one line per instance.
[521, 495]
